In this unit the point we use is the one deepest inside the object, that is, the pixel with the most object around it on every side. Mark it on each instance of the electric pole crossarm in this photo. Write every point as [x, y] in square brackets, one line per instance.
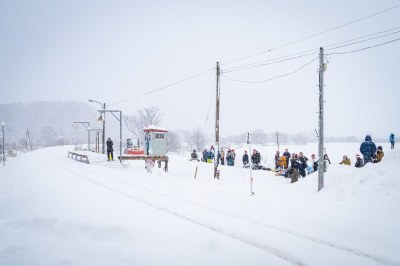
[112, 112]
[86, 124]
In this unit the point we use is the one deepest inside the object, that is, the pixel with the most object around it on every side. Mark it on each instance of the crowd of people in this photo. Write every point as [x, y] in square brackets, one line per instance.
[293, 165]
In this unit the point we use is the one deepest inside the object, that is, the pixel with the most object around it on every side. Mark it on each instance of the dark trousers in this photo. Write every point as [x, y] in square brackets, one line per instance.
[302, 171]
[367, 159]
[392, 144]
[222, 161]
[294, 175]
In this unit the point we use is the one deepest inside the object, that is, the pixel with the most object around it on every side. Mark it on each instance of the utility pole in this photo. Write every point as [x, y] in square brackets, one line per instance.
[2, 136]
[248, 142]
[218, 72]
[277, 140]
[103, 140]
[321, 159]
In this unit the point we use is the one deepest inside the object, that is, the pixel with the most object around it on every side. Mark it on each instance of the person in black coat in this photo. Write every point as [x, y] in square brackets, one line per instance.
[359, 162]
[368, 149]
[256, 157]
[303, 164]
[110, 149]
[193, 156]
[245, 159]
[256, 160]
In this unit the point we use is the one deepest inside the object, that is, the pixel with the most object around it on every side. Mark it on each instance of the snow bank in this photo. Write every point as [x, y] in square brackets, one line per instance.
[57, 211]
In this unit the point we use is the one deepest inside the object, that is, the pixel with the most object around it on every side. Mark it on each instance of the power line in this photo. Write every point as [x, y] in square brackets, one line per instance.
[362, 37]
[365, 48]
[280, 76]
[267, 60]
[259, 63]
[310, 36]
[363, 41]
[283, 60]
[290, 73]
[162, 88]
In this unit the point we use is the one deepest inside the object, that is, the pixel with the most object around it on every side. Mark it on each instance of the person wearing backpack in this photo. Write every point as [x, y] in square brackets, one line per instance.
[392, 140]
[368, 149]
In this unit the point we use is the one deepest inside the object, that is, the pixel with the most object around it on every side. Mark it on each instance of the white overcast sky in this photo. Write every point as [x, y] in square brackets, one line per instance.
[114, 50]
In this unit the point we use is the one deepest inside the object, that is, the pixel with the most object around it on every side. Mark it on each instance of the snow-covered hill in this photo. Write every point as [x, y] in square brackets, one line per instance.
[57, 211]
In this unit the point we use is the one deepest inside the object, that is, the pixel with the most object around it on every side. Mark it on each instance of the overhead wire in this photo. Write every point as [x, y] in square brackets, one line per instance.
[362, 37]
[270, 79]
[274, 62]
[374, 38]
[328, 54]
[364, 48]
[163, 87]
[262, 63]
[309, 51]
[311, 36]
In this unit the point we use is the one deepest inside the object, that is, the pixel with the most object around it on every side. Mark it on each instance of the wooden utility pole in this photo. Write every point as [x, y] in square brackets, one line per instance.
[277, 140]
[321, 160]
[217, 96]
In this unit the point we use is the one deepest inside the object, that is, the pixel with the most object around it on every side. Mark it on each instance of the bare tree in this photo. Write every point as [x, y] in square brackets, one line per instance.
[49, 136]
[258, 136]
[196, 139]
[173, 143]
[144, 117]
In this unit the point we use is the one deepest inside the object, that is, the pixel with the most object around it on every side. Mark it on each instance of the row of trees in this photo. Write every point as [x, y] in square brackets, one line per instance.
[260, 137]
[153, 116]
[196, 139]
[150, 116]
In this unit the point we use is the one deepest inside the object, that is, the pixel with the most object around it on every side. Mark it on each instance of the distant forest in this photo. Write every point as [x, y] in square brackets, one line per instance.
[50, 124]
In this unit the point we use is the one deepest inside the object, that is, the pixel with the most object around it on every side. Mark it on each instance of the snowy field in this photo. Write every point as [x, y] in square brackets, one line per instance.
[57, 211]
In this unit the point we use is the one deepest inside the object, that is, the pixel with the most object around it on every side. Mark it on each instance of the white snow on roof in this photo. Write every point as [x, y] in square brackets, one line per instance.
[157, 128]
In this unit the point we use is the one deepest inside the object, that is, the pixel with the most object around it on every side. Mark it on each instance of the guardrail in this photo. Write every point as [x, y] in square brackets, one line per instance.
[78, 157]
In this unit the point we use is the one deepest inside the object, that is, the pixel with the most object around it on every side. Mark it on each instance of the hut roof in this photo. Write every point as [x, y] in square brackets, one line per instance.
[153, 128]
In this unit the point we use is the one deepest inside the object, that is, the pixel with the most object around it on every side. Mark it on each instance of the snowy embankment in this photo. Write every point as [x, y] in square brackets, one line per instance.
[57, 211]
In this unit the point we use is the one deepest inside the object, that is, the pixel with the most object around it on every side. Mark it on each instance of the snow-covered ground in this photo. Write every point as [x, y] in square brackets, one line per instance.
[57, 211]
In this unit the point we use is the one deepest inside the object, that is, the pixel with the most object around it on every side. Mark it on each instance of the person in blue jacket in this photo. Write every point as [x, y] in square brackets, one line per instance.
[368, 149]
[391, 139]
